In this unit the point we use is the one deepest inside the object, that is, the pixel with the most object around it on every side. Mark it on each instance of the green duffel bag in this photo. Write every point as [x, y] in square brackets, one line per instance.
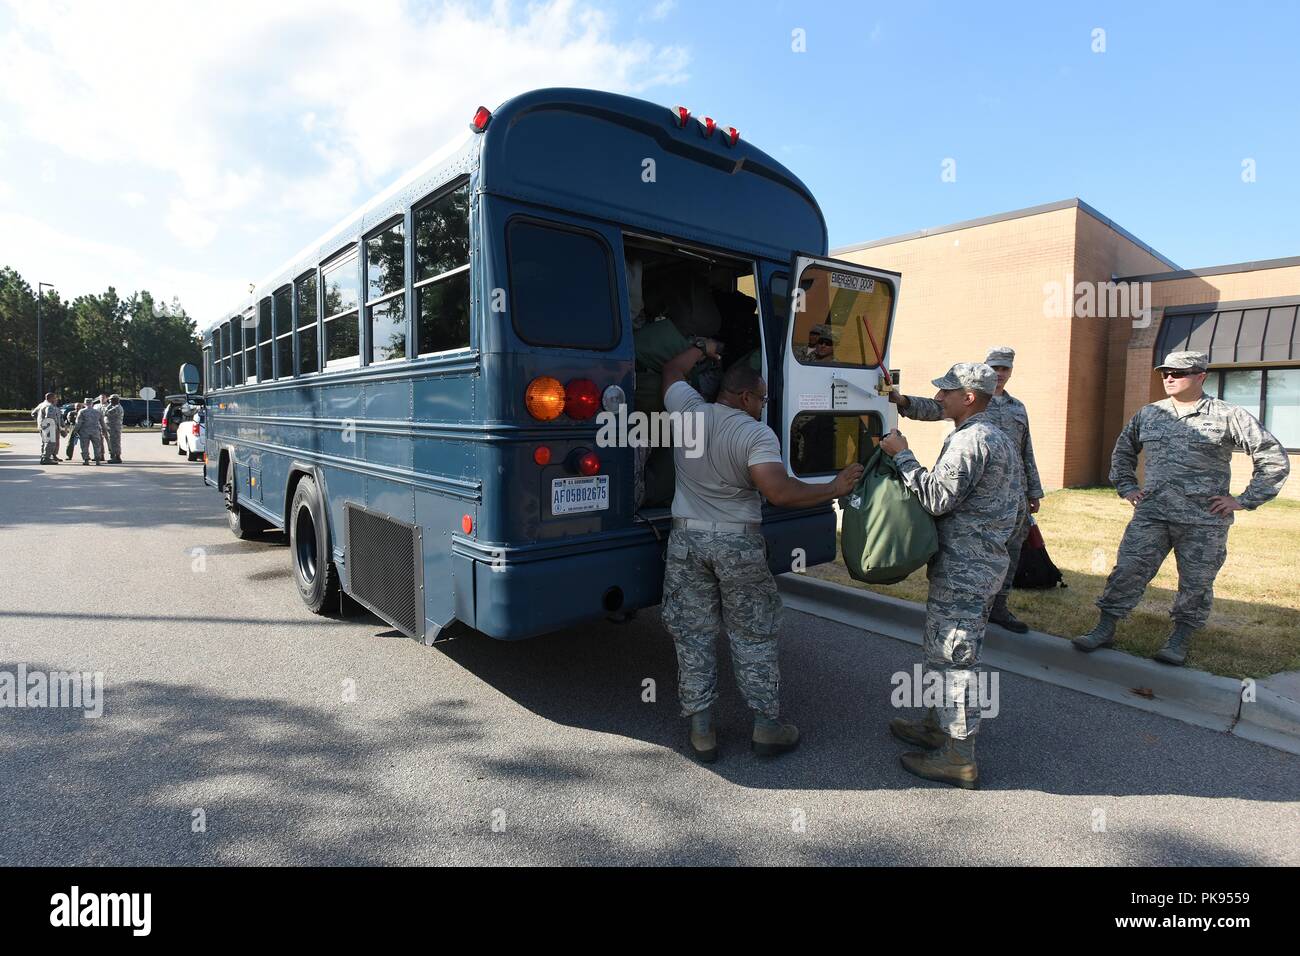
[885, 534]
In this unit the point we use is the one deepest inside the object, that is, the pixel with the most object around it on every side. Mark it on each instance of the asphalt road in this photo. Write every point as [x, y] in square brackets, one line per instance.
[229, 734]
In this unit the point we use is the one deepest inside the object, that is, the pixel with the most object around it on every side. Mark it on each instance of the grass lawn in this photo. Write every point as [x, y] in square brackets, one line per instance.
[1254, 629]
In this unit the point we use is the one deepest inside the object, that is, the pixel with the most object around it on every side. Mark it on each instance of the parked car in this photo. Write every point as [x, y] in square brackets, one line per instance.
[177, 410]
[191, 434]
[136, 411]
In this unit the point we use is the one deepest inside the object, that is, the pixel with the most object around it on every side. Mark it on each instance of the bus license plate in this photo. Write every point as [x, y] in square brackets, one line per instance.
[572, 495]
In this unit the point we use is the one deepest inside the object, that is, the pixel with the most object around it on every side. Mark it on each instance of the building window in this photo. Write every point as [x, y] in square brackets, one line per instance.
[249, 325]
[442, 273]
[386, 294]
[339, 280]
[265, 342]
[308, 344]
[1270, 394]
[282, 322]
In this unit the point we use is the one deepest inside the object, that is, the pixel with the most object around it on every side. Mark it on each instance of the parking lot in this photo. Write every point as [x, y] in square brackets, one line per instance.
[239, 728]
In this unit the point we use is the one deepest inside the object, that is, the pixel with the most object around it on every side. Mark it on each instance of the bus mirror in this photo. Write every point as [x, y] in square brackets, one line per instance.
[189, 378]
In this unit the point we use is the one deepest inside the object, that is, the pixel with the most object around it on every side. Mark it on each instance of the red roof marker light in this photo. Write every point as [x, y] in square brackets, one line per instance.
[707, 126]
[481, 117]
[732, 137]
[682, 114]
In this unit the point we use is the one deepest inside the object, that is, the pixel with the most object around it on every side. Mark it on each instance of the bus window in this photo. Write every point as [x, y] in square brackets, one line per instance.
[249, 326]
[265, 345]
[386, 294]
[282, 322]
[829, 330]
[232, 354]
[442, 273]
[342, 343]
[562, 287]
[308, 350]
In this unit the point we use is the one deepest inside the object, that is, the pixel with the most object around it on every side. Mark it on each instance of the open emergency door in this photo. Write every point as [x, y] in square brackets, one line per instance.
[837, 345]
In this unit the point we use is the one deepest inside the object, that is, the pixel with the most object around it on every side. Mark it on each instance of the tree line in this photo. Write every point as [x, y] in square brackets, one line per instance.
[95, 343]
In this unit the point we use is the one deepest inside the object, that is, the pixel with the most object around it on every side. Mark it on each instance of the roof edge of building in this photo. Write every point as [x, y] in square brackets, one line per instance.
[1254, 265]
[1073, 203]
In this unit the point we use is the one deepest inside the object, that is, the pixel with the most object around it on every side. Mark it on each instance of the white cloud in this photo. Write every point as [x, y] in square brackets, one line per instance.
[661, 9]
[310, 104]
[132, 198]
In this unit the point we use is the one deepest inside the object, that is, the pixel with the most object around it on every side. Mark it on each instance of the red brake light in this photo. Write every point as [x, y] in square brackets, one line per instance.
[481, 117]
[682, 114]
[581, 399]
[588, 464]
[708, 125]
[542, 455]
[733, 136]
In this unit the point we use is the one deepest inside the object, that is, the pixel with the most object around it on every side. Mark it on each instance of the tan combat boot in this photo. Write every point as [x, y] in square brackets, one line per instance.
[704, 736]
[772, 738]
[919, 733]
[953, 763]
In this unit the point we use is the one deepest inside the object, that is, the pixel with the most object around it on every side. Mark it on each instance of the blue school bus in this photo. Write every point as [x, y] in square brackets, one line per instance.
[415, 398]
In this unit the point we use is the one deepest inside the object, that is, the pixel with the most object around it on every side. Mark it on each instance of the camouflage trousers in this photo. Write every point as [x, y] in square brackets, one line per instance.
[1199, 549]
[1014, 544]
[113, 437]
[90, 443]
[712, 581]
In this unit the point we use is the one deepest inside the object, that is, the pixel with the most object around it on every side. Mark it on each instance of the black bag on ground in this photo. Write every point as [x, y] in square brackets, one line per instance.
[1036, 570]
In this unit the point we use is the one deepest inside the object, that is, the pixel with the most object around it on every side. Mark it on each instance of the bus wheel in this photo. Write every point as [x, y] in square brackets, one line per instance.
[309, 543]
[243, 523]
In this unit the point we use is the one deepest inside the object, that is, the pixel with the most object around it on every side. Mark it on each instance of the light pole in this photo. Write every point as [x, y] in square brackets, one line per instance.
[40, 363]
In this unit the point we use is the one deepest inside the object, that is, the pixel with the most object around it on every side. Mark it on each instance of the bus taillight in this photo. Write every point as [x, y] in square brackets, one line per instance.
[587, 463]
[581, 399]
[545, 398]
[542, 455]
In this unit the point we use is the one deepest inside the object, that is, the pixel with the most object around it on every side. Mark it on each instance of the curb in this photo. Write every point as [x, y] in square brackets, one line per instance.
[1192, 696]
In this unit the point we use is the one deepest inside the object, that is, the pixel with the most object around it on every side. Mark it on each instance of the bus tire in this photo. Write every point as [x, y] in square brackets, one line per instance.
[243, 524]
[309, 545]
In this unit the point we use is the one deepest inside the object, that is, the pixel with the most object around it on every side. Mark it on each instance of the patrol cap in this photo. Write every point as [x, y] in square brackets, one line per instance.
[822, 331]
[976, 376]
[1000, 355]
[1198, 361]
[114, 398]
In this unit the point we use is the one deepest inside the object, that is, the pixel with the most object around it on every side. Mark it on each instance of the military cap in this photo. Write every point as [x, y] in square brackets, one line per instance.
[976, 376]
[1197, 361]
[822, 331]
[114, 397]
[1000, 355]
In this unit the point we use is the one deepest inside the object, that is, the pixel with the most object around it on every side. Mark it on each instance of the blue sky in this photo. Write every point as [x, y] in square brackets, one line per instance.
[191, 148]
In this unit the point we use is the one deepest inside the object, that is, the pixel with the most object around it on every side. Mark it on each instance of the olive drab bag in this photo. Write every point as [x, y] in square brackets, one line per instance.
[885, 534]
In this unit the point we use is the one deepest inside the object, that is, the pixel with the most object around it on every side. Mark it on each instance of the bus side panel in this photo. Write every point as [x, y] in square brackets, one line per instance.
[447, 596]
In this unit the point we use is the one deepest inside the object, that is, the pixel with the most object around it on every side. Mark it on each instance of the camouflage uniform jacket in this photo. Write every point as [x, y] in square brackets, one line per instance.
[88, 422]
[1189, 459]
[113, 415]
[1005, 411]
[976, 494]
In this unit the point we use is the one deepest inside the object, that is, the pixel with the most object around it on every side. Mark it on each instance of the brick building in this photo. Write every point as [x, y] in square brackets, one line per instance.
[1090, 309]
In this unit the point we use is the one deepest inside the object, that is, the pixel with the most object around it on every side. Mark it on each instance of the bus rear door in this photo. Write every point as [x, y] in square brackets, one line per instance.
[842, 315]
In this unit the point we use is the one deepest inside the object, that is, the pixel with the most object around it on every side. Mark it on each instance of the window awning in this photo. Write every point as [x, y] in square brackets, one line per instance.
[1233, 336]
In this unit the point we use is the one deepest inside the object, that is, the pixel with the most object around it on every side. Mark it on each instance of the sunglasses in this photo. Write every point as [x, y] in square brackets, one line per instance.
[1178, 372]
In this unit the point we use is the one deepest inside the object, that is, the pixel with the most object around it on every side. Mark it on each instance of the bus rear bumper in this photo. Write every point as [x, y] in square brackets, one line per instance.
[536, 593]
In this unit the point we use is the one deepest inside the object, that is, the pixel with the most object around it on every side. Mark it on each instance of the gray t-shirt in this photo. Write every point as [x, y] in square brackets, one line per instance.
[715, 485]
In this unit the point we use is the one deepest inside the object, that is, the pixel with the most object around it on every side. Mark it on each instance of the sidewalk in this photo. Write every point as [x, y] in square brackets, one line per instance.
[1266, 711]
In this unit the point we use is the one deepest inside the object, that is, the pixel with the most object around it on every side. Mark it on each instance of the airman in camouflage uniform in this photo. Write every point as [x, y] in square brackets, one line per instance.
[1009, 414]
[976, 493]
[717, 575]
[87, 427]
[1184, 501]
[47, 425]
[113, 413]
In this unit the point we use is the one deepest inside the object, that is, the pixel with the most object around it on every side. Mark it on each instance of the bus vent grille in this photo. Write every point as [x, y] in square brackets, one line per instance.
[386, 568]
